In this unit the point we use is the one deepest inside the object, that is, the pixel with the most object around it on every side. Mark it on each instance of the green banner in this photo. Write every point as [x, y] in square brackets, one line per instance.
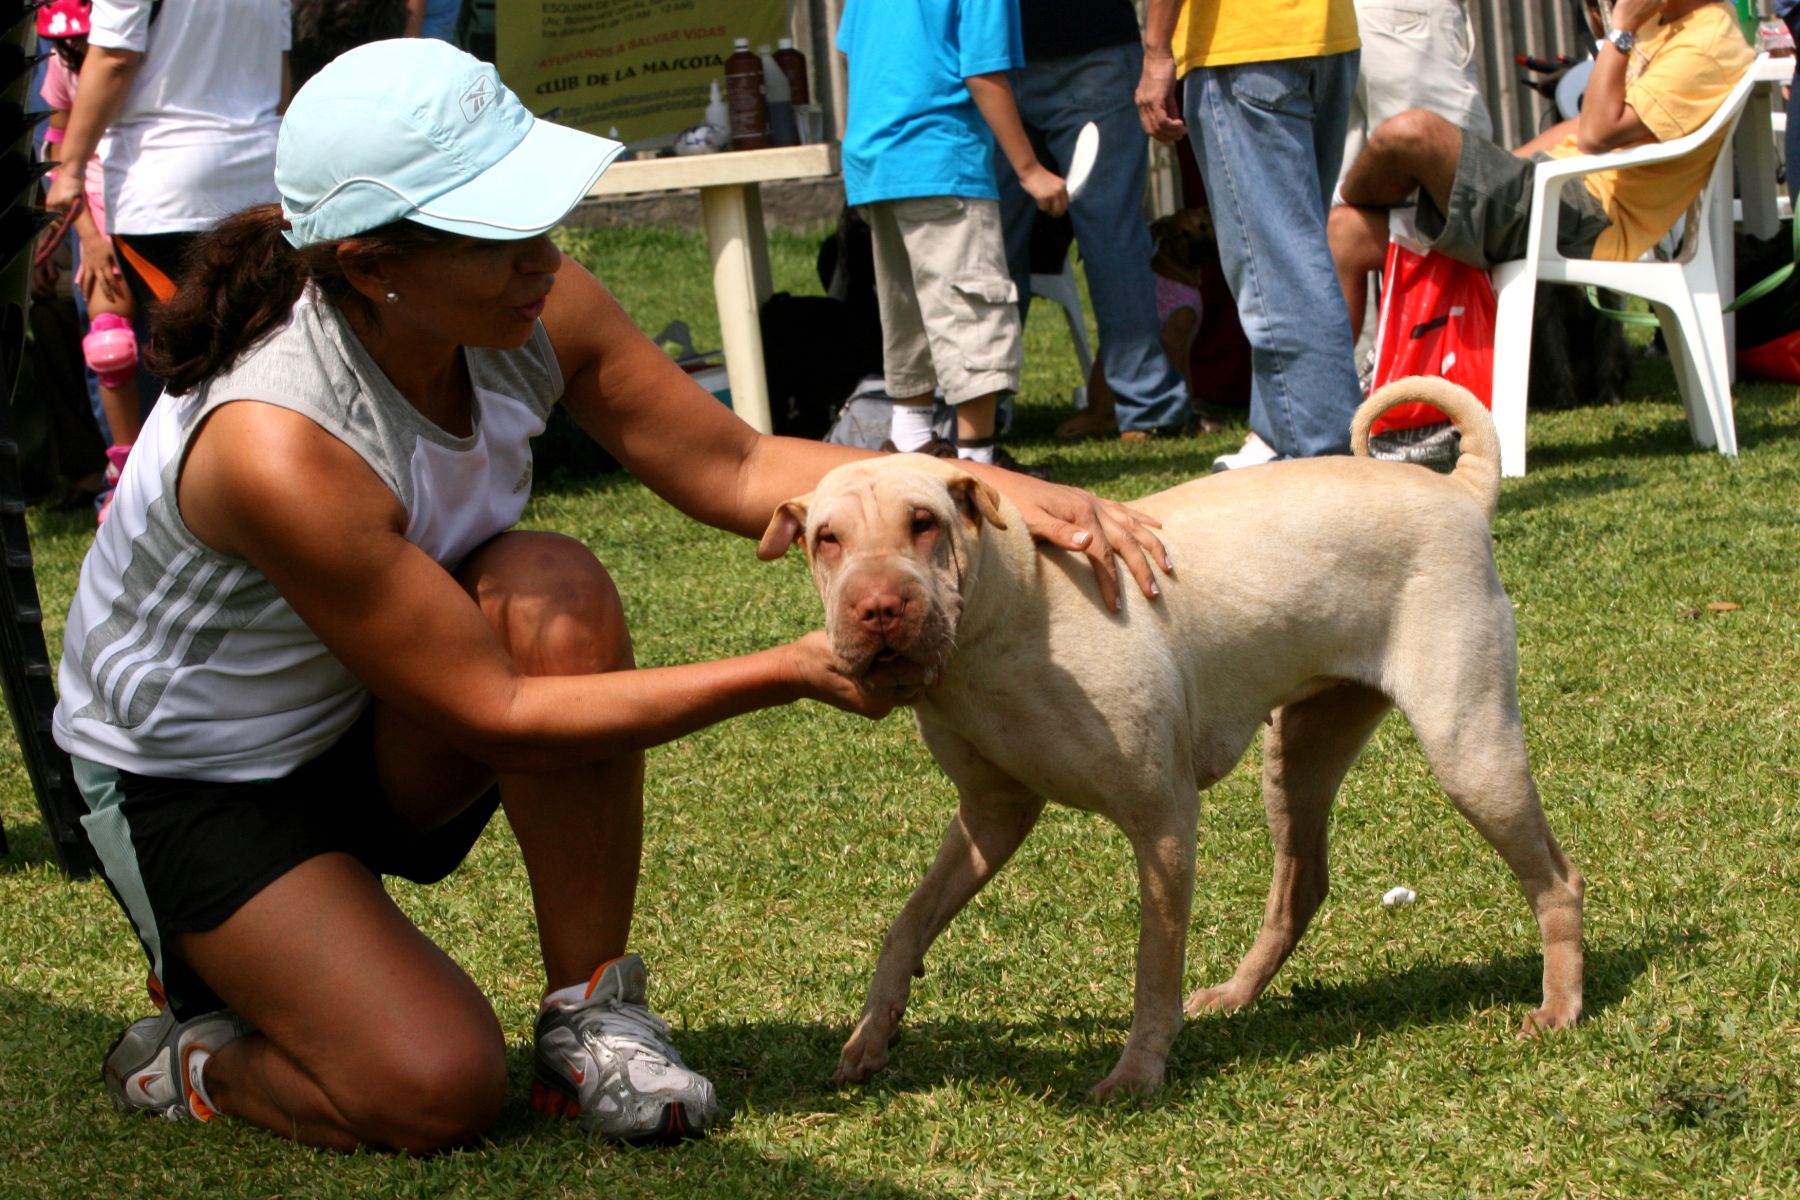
[639, 66]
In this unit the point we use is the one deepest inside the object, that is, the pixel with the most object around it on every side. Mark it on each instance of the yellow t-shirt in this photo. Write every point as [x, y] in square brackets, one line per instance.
[1678, 76]
[1221, 33]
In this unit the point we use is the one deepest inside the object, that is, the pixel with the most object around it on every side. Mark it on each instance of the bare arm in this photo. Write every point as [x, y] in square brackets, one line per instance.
[1156, 86]
[1548, 140]
[106, 76]
[415, 18]
[693, 452]
[329, 535]
[993, 95]
[1606, 121]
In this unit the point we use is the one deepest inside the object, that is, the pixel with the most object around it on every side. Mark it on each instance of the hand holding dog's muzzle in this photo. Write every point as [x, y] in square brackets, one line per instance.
[873, 694]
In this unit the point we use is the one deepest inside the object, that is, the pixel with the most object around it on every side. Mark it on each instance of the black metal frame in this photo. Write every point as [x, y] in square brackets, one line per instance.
[25, 668]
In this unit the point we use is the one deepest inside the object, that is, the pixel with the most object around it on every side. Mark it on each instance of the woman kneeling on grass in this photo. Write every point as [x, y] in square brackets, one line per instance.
[305, 651]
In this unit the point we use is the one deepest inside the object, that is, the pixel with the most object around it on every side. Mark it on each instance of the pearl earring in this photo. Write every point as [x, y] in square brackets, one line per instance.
[393, 297]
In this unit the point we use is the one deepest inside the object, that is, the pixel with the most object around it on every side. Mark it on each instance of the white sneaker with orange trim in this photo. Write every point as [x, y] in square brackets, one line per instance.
[147, 1068]
[607, 1059]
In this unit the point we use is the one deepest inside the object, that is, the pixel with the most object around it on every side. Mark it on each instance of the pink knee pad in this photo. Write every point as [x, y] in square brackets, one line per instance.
[111, 349]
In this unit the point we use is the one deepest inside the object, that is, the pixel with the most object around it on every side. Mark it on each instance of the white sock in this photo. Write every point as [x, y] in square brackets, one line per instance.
[983, 453]
[575, 993]
[910, 427]
[196, 1073]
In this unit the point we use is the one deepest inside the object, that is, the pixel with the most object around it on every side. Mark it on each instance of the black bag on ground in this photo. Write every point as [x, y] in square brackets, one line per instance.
[815, 352]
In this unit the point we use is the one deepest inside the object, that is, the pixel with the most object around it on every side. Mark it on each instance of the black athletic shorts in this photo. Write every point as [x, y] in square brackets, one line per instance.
[183, 855]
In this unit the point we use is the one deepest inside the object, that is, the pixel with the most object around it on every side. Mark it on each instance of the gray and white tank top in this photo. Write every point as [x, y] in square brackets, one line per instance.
[183, 663]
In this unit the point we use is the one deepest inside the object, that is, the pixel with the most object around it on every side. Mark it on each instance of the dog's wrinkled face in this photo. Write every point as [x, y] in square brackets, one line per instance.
[889, 541]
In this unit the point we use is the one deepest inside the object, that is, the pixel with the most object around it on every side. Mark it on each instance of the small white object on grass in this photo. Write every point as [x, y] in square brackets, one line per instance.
[1395, 897]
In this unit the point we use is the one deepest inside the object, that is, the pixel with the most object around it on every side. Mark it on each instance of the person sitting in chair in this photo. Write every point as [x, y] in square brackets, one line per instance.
[1661, 72]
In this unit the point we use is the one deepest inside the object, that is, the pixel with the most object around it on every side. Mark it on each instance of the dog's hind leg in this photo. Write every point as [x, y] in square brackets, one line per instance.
[1305, 757]
[1476, 746]
[995, 814]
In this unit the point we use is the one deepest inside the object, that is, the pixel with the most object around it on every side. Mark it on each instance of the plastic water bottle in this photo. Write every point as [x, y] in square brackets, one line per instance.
[782, 129]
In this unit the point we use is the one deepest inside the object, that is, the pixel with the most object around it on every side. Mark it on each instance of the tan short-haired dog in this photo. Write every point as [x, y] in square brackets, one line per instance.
[1311, 595]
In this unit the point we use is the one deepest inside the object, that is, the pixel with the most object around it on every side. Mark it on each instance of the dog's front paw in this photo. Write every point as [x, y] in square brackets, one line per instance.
[1550, 1017]
[867, 1050]
[1224, 998]
[1133, 1079]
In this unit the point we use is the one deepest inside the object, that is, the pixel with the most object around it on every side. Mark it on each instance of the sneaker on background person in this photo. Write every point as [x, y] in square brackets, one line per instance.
[603, 1056]
[1254, 453]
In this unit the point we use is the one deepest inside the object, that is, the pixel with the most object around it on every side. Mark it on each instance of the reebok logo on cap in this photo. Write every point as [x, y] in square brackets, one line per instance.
[476, 100]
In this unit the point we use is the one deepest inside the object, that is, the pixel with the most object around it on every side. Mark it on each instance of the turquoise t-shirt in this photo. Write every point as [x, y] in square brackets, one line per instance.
[914, 129]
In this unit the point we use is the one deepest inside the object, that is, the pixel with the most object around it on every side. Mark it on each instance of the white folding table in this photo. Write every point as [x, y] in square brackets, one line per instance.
[731, 209]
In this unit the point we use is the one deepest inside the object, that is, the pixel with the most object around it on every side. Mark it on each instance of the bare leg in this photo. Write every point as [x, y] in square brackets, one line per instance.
[121, 404]
[334, 976]
[993, 818]
[975, 418]
[368, 1035]
[1413, 150]
[1359, 241]
[580, 828]
[1305, 758]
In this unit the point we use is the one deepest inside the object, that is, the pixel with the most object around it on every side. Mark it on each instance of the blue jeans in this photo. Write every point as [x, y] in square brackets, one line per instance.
[1056, 97]
[1270, 137]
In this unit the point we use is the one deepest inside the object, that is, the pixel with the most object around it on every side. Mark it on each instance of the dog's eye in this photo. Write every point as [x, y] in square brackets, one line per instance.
[826, 538]
[923, 522]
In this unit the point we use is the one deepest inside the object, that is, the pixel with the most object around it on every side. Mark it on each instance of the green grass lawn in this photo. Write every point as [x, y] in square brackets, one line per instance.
[1383, 1061]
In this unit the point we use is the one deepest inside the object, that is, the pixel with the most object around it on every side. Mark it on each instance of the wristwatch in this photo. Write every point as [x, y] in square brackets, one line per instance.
[1623, 40]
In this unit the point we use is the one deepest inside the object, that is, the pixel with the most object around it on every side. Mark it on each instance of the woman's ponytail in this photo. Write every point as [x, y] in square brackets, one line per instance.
[239, 282]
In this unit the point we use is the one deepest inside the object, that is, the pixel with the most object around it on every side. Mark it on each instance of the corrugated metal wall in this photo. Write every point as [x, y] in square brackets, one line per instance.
[1505, 29]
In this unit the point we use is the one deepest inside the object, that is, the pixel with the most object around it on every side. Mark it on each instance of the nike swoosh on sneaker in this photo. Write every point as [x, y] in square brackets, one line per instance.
[142, 1084]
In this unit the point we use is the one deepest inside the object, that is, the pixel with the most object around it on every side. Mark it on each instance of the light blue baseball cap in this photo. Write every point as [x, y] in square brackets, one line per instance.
[415, 128]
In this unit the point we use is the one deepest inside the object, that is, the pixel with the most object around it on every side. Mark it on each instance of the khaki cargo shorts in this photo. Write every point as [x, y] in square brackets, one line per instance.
[949, 310]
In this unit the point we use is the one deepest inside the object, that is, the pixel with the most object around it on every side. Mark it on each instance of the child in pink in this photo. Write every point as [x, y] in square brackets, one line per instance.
[110, 346]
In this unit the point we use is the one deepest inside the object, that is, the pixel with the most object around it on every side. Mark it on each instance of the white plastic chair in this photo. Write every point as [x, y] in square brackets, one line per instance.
[1064, 290]
[1683, 293]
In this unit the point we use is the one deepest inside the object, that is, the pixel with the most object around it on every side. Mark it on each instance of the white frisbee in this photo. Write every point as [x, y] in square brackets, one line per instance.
[1081, 163]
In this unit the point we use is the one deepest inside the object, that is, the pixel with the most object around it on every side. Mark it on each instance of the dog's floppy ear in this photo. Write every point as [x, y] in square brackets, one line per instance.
[977, 500]
[784, 528]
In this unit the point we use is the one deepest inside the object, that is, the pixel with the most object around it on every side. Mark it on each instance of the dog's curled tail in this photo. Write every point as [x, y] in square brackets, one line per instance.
[1478, 464]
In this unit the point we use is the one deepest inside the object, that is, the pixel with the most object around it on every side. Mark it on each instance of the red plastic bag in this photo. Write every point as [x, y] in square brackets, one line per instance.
[1437, 318]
